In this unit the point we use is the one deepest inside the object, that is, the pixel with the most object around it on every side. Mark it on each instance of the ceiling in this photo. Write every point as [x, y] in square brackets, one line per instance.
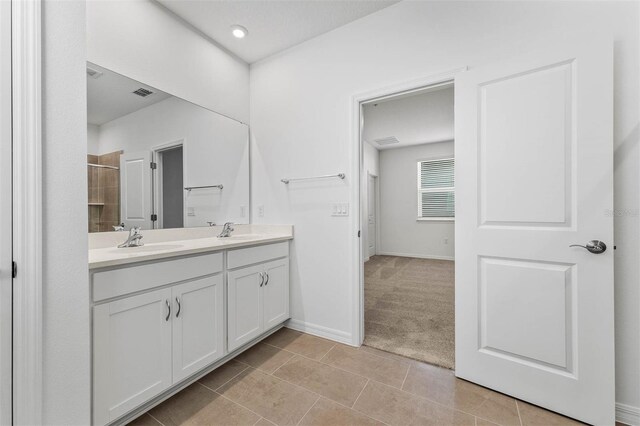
[111, 96]
[273, 25]
[424, 117]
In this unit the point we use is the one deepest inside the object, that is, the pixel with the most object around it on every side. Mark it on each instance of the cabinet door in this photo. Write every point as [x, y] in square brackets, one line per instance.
[276, 293]
[131, 353]
[197, 325]
[244, 305]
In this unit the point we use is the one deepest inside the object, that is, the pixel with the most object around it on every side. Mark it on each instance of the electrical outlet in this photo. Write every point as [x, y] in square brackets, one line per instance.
[191, 211]
[261, 211]
[340, 209]
[243, 211]
[445, 241]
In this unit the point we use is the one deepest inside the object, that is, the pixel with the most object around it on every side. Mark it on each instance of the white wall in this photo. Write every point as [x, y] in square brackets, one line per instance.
[216, 151]
[66, 364]
[143, 41]
[93, 134]
[301, 125]
[401, 234]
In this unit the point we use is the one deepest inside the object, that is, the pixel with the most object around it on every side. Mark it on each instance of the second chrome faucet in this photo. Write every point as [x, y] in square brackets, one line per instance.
[226, 230]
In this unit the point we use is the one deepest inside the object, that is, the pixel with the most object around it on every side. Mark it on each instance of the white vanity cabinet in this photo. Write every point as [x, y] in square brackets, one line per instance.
[258, 291]
[158, 325]
[145, 343]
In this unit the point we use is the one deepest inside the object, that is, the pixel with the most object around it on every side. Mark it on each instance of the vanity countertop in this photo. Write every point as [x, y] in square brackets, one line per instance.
[166, 243]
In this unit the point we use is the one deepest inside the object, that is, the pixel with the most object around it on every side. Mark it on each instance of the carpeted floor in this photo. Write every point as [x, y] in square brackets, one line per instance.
[409, 308]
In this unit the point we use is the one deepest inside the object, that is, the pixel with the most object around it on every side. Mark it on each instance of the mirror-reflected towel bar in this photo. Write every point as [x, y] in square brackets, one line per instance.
[287, 180]
[189, 188]
[102, 166]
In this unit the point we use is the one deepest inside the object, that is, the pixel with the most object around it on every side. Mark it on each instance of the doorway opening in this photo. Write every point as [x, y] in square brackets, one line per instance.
[168, 183]
[409, 210]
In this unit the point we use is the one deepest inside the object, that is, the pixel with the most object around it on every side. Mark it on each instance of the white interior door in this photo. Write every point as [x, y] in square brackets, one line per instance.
[534, 175]
[371, 215]
[135, 189]
[6, 280]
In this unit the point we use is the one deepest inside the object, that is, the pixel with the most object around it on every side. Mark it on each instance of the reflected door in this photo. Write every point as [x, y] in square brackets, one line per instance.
[135, 178]
[534, 175]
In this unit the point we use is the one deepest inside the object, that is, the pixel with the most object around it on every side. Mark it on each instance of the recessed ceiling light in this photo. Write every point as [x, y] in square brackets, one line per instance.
[239, 31]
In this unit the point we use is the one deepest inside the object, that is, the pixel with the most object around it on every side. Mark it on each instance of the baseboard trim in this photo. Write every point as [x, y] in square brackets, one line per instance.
[417, 256]
[627, 414]
[320, 331]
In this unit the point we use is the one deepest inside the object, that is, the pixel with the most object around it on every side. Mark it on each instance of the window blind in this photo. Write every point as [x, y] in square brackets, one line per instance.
[436, 188]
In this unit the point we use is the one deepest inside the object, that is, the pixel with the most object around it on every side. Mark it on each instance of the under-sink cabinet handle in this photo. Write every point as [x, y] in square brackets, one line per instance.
[261, 279]
[169, 309]
[267, 282]
[179, 307]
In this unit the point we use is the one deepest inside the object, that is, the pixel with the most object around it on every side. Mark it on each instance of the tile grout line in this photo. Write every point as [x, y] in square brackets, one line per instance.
[325, 355]
[518, 410]
[305, 414]
[285, 363]
[149, 414]
[361, 391]
[405, 377]
[239, 373]
[240, 405]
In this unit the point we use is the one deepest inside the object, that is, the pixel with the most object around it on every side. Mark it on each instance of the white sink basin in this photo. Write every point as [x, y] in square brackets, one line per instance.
[146, 248]
[240, 237]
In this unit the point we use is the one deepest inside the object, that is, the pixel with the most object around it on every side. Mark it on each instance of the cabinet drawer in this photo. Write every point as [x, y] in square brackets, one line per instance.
[251, 255]
[118, 282]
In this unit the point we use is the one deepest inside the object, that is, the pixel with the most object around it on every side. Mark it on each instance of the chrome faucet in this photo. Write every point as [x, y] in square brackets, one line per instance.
[119, 228]
[211, 223]
[134, 238]
[226, 230]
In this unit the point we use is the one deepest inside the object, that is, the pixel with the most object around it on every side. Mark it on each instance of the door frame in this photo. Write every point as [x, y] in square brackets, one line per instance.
[26, 43]
[357, 158]
[376, 209]
[6, 220]
[156, 182]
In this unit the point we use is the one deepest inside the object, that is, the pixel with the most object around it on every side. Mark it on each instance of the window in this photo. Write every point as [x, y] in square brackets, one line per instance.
[436, 189]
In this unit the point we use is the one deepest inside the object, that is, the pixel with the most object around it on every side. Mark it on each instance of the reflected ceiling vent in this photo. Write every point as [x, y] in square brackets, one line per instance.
[93, 73]
[142, 92]
[386, 141]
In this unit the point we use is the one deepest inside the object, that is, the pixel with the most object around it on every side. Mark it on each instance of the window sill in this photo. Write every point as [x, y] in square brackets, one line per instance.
[436, 219]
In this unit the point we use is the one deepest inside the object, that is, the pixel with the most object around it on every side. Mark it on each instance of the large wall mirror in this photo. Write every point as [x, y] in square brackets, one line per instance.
[157, 161]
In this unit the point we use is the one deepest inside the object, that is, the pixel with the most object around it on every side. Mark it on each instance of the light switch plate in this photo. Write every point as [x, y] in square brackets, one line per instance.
[340, 209]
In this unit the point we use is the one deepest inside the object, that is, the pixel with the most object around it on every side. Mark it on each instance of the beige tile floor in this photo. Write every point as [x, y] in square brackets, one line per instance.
[292, 378]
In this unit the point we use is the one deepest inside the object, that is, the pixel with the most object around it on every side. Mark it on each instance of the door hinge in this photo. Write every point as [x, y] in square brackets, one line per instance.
[154, 217]
[154, 165]
[14, 269]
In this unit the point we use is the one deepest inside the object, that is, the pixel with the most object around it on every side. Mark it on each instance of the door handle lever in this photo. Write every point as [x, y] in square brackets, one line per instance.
[593, 246]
